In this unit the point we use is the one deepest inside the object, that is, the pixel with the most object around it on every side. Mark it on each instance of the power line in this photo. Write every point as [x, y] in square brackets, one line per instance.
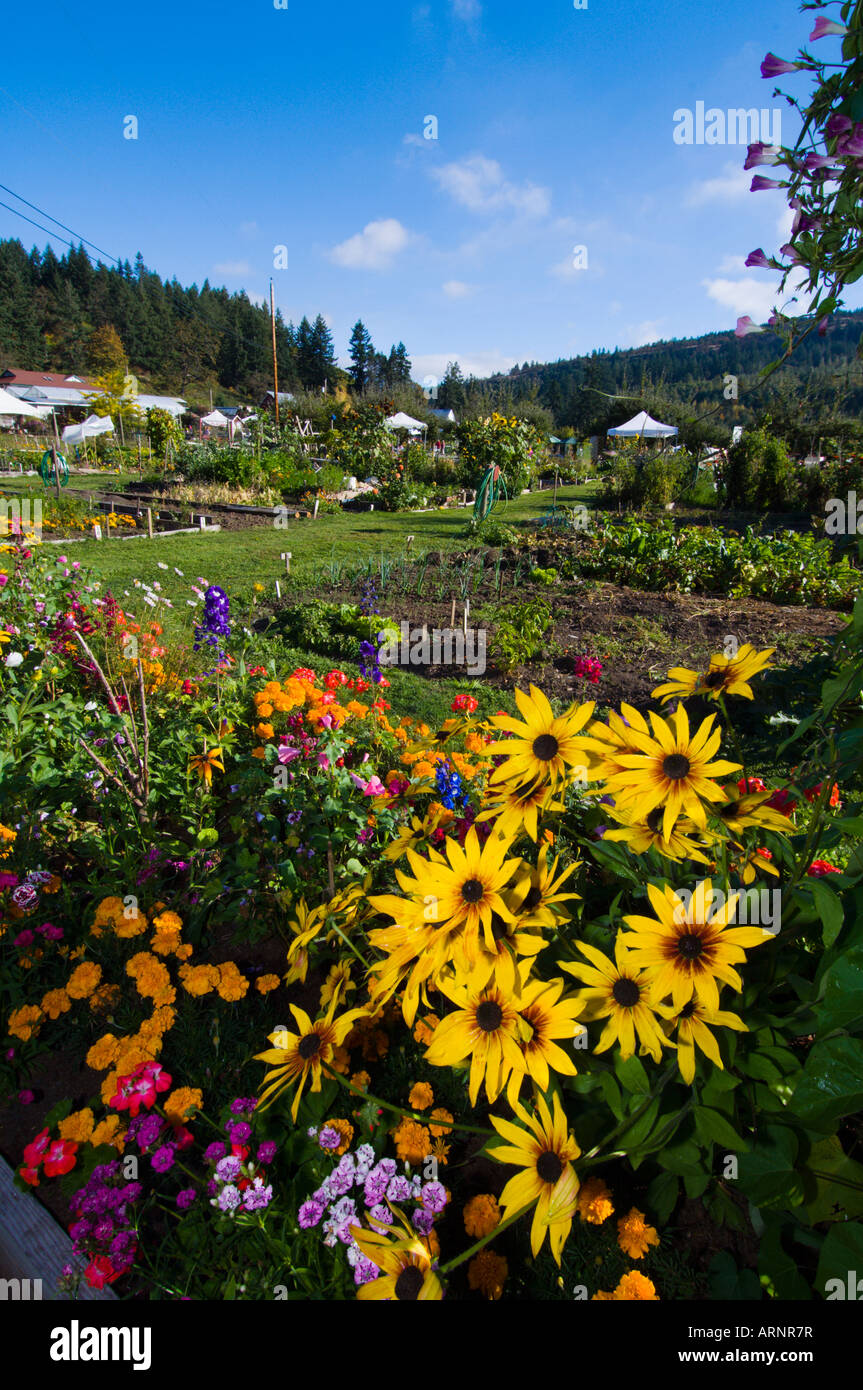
[57, 223]
[51, 234]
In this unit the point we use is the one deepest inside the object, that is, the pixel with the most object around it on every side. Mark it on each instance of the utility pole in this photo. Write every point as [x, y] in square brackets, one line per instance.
[275, 358]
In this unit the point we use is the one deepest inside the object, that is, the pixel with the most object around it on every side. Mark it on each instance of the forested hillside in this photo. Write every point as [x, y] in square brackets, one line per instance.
[175, 337]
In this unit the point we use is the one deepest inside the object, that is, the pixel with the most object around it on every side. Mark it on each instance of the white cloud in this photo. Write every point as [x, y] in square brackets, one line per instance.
[374, 248]
[784, 223]
[478, 183]
[413, 139]
[731, 184]
[747, 296]
[469, 10]
[457, 289]
[731, 265]
[472, 363]
[636, 335]
[233, 268]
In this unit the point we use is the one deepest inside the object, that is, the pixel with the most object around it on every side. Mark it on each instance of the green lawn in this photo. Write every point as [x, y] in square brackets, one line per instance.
[239, 559]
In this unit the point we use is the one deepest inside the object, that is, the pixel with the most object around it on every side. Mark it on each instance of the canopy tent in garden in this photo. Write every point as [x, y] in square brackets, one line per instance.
[90, 428]
[643, 426]
[215, 419]
[401, 421]
[11, 405]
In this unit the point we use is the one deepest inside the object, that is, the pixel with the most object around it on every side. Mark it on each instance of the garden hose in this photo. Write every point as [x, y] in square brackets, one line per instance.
[490, 492]
[46, 469]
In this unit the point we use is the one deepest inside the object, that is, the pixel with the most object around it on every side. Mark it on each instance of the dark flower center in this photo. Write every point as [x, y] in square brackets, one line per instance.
[309, 1046]
[689, 946]
[729, 810]
[654, 819]
[714, 680]
[409, 1282]
[676, 767]
[533, 899]
[688, 1009]
[499, 928]
[626, 993]
[549, 1166]
[472, 891]
[545, 747]
[489, 1015]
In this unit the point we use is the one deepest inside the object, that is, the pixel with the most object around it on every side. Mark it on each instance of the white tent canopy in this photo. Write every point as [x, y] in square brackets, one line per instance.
[643, 426]
[404, 422]
[11, 405]
[215, 419]
[90, 428]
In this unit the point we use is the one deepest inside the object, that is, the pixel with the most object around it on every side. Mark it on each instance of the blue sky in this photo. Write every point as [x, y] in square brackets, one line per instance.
[304, 127]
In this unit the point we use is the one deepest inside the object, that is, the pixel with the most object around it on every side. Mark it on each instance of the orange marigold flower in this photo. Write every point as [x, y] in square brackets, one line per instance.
[341, 1060]
[181, 1100]
[421, 1096]
[440, 1151]
[168, 921]
[83, 980]
[103, 999]
[361, 1079]
[635, 1235]
[424, 1028]
[56, 1002]
[108, 1132]
[265, 983]
[232, 984]
[412, 1141]
[103, 1053]
[635, 1287]
[440, 1129]
[487, 1273]
[481, 1214]
[199, 979]
[78, 1126]
[594, 1201]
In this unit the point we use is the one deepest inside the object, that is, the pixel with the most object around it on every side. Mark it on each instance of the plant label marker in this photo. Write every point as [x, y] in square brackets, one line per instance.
[202, 523]
[452, 616]
[466, 614]
[409, 540]
[278, 589]
[286, 556]
[315, 512]
[97, 531]
[150, 522]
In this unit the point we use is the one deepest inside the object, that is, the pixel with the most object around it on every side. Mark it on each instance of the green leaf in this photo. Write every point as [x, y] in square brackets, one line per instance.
[632, 1075]
[713, 1127]
[831, 1085]
[766, 1173]
[775, 1261]
[829, 909]
[842, 993]
[727, 1281]
[842, 1188]
[611, 1091]
[662, 1197]
[841, 1254]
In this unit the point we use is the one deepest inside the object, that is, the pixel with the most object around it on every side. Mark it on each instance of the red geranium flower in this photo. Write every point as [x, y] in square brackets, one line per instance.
[60, 1157]
[303, 673]
[813, 793]
[30, 1175]
[35, 1150]
[140, 1088]
[464, 702]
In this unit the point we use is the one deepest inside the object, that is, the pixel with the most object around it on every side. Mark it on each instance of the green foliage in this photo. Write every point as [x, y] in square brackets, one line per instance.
[759, 473]
[520, 637]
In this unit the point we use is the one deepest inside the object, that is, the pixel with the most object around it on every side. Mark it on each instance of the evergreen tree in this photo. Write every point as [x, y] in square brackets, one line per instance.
[362, 354]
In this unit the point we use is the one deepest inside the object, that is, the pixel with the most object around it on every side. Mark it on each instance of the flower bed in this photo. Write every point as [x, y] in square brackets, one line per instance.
[307, 999]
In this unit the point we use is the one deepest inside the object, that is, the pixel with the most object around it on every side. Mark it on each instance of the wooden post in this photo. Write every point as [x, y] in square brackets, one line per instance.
[452, 617]
[275, 358]
[286, 556]
[150, 522]
[56, 470]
